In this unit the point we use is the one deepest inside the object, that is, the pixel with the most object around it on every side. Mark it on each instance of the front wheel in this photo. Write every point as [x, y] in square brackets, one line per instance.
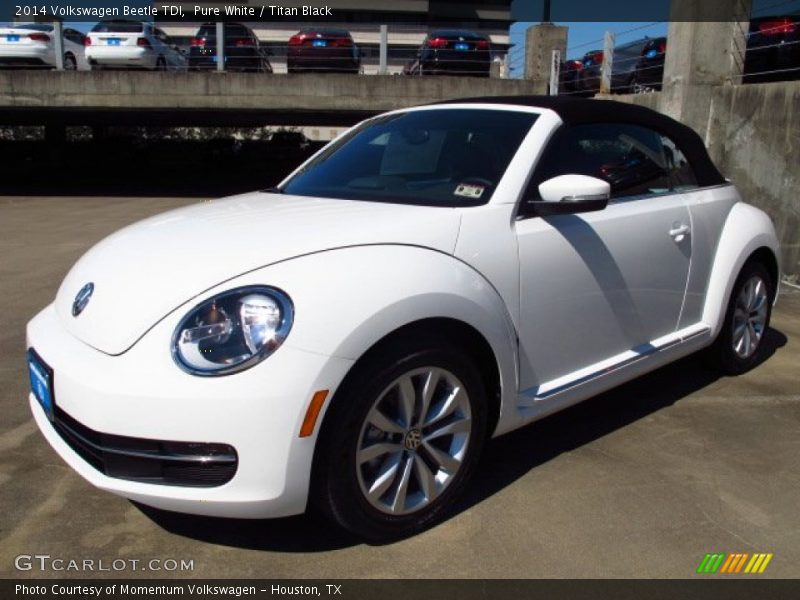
[402, 440]
[739, 345]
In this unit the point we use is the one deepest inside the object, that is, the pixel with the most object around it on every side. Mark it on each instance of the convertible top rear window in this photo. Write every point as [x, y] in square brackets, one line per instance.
[447, 157]
[118, 27]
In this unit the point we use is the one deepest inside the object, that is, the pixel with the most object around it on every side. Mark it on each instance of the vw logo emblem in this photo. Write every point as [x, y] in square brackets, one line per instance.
[413, 439]
[82, 299]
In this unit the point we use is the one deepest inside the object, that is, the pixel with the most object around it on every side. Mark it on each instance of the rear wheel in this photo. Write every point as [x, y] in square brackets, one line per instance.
[69, 63]
[402, 440]
[739, 347]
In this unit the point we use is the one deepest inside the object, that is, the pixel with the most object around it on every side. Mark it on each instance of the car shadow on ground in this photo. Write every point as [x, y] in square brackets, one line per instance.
[505, 459]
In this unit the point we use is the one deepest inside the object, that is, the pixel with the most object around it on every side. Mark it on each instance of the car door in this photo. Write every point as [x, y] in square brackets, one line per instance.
[596, 286]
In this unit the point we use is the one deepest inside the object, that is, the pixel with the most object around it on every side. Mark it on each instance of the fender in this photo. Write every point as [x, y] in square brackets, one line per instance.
[746, 229]
[348, 299]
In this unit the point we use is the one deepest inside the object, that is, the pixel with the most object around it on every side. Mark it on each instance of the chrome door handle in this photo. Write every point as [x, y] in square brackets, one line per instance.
[679, 231]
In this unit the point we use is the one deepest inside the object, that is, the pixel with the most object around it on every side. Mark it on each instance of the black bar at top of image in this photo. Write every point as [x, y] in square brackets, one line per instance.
[431, 12]
[387, 589]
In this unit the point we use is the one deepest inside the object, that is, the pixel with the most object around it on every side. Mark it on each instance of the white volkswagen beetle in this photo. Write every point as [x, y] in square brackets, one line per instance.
[432, 278]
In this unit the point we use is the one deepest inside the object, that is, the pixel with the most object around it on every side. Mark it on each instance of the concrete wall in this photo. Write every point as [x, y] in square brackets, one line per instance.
[755, 132]
[238, 91]
[753, 135]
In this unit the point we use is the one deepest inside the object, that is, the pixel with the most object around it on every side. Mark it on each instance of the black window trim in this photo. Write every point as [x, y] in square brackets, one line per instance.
[526, 207]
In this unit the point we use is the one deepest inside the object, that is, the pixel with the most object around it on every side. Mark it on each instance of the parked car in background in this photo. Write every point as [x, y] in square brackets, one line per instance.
[650, 67]
[569, 77]
[323, 50]
[448, 52]
[773, 49]
[773, 54]
[623, 68]
[243, 51]
[118, 44]
[493, 261]
[588, 76]
[33, 45]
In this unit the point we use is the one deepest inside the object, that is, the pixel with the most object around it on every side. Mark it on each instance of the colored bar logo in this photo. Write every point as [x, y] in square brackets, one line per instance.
[735, 563]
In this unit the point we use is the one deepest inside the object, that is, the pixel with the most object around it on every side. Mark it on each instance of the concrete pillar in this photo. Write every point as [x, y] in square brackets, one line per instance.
[221, 46]
[702, 55]
[495, 69]
[383, 52]
[540, 41]
[58, 40]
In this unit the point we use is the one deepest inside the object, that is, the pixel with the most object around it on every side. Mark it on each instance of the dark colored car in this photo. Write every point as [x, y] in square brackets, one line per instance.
[773, 49]
[623, 68]
[323, 51]
[650, 68]
[452, 53]
[242, 49]
[587, 78]
[773, 54]
[568, 79]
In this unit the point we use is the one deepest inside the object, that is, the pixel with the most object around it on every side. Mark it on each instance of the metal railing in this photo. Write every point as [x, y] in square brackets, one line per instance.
[379, 54]
[644, 73]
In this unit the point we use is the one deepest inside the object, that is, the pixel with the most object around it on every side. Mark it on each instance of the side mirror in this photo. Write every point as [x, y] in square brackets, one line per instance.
[571, 194]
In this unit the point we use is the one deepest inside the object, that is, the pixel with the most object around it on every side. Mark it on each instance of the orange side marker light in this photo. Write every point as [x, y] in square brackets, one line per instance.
[317, 401]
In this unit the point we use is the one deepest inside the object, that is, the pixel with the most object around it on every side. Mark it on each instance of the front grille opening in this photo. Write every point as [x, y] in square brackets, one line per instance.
[189, 464]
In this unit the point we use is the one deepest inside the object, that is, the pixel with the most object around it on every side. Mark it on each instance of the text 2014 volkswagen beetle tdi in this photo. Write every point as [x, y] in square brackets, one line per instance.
[434, 277]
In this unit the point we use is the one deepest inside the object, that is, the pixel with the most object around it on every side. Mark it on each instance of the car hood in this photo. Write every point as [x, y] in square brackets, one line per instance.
[146, 270]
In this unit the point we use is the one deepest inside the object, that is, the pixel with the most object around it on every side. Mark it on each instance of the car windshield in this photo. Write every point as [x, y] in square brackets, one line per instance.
[440, 157]
[34, 27]
[210, 32]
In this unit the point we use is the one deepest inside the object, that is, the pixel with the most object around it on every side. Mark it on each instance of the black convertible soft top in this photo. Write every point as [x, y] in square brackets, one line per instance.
[573, 110]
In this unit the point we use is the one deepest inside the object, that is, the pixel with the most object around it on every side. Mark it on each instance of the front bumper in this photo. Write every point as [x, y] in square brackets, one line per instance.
[142, 394]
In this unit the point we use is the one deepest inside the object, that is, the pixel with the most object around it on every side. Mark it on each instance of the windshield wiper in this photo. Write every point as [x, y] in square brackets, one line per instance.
[272, 190]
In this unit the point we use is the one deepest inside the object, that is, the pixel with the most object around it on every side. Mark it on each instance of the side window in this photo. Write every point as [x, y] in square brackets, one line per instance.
[680, 171]
[162, 36]
[73, 36]
[630, 158]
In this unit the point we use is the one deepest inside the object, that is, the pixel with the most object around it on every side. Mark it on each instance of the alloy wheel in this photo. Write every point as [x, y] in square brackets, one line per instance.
[750, 317]
[413, 440]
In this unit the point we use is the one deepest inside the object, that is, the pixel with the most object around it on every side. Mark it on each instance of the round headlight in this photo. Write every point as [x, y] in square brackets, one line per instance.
[232, 331]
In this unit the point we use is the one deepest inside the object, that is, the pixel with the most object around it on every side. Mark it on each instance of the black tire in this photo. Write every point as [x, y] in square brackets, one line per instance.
[161, 64]
[337, 487]
[722, 354]
[70, 64]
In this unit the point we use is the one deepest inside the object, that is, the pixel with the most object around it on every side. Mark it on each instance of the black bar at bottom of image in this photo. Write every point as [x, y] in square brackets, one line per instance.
[389, 589]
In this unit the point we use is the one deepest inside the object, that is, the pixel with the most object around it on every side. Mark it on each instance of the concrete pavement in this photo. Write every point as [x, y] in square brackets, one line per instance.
[639, 482]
